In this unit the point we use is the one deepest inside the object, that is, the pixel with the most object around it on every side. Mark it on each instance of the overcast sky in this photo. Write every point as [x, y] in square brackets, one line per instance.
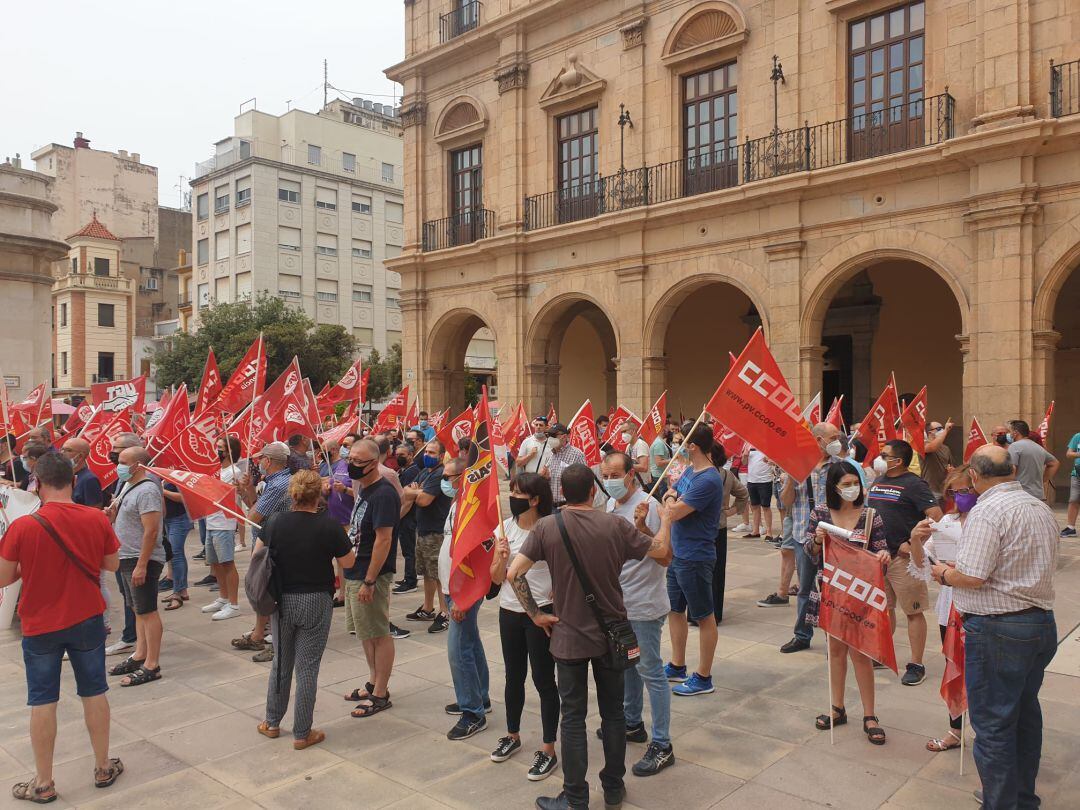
[166, 78]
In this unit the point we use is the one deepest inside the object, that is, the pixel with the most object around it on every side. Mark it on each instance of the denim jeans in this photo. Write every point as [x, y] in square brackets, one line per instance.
[573, 678]
[648, 674]
[1005, 657]
[176, 532]
[807, 569]
[468, 666]
[407, 544]
[202, 531]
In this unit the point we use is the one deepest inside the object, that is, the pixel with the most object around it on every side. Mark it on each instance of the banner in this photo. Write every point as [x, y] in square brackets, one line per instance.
[754, 400]
[1044, 426]
[914, 421]
[209, 385]
[623, 420]
[835, 417]
[854, 607]
[458, 428]
[394, 412]
[879, 425]
[14, 504]
[976, 439]
[120, 395]
[203, 494]
[655, 419]
[247, 382]
[583, 434]
[101, 445]
[953, 690]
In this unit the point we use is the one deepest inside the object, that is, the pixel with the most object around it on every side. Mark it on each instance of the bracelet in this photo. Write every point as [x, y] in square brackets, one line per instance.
[368, 583]
[942, 579]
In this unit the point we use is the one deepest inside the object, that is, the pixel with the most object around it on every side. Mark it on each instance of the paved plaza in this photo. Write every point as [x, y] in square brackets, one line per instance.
[189, 740]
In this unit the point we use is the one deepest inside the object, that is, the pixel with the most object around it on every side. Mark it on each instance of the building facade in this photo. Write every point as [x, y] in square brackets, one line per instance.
[622, 191]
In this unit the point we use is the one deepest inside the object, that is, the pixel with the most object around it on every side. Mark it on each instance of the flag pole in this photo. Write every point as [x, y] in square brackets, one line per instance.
[963, 724]
[828, 663]
[10, 449]
[663, 475]
[255, 382]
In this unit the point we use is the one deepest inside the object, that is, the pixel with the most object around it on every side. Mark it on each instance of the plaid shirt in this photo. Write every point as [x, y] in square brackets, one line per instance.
[1010, 540]
[557, 462]
[275, 496]
[800, 510]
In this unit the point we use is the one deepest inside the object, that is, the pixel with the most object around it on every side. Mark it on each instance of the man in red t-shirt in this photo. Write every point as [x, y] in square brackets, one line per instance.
[61, 611]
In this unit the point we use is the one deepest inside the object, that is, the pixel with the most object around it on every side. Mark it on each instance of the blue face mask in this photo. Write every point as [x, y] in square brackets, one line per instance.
[423, 423]
[123, 473]
[343, 452]
[430, 461]
[616, 488]
[447, 489]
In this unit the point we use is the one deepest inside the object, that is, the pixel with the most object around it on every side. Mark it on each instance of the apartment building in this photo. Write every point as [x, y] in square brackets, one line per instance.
[621, 191]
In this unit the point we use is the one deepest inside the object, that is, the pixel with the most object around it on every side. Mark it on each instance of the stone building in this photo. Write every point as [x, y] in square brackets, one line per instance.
[621, 191]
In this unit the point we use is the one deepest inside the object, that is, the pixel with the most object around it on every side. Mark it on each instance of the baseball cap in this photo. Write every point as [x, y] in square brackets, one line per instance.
[275, 451]
[557, 429]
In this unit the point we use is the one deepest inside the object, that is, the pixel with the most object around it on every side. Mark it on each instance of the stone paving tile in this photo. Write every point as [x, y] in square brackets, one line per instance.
[213, 739]
[832, 780]
[185, 789]
[345, 786]
[754, 796]
[275, 765]
[731, 751]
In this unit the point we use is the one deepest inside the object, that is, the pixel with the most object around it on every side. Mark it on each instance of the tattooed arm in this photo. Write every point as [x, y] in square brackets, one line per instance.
[660, 549]
[516, 576]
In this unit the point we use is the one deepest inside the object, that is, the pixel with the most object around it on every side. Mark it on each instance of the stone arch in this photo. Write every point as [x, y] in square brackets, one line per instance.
[462, 116]
[447, 344]
[703, 28]
[1055, 261]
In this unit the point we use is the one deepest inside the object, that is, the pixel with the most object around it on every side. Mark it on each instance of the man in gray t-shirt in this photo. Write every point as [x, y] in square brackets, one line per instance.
[1035, 465]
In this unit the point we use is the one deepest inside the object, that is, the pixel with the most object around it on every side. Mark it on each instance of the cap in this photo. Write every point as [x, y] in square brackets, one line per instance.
[275, 451]
[557, 429]
[540, 419]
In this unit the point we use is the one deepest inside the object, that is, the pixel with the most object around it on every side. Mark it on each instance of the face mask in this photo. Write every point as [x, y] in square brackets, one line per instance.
[616, 488]
[423, 423]
[965, 501]
[430, 461]
[114, 458]
[26, 461]
[356, 472]
[1001, 439]
[221, 455]
[675, 446]
[1008, 438]
[123, 473]
[403, 461]
[626, 437]
[447, 489]
[519, 505]
[834, 448]
[850, 494]
[556, 444]
[343, 452]
[881, 466]
[310, 454]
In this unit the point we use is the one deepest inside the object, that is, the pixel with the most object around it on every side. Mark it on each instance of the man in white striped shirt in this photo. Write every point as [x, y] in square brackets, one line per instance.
[1003, 584]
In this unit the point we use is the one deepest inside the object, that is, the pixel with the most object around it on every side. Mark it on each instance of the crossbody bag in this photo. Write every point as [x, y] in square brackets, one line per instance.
[80, 566]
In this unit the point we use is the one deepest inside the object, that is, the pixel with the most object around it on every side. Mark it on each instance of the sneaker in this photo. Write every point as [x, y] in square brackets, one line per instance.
[694, 685]
[269, 638]
[774, 600]
[215, 606]
[453, 708]
[397, 632]
[673, 673]
[635, 734]
[403, 587]
[913, 675]
[795, 645]
[656, 758]
[238, 548]
[420, 615]
[1068, 531]
[751, 536]
[164, 585]
[209, 579]
[977, 795]
[507, 747]
[613, 797]
[119, 647]
[776, 542]
[441, 623]
[227, 612]
[741, 528]
[542, 766]
[466, 727]
[264, 656]
[200, 556]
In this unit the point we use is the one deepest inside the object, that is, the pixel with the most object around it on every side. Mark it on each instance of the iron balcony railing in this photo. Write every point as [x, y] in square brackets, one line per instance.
[462, 228]
[1064, 88]
[464, 17]
[918, 123]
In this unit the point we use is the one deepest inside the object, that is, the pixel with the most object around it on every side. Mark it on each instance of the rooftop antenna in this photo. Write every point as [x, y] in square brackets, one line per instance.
[325, 82]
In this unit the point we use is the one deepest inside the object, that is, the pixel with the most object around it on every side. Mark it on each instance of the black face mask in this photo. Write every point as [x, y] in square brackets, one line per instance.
[356, 472]
[403, 461]
[221, 455]
[519, 506]
[114, 458]
[1002, 439]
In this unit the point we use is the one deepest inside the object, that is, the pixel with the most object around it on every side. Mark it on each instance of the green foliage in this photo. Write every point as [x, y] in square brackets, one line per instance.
[325, 351]
[385, 373]
[472, 388]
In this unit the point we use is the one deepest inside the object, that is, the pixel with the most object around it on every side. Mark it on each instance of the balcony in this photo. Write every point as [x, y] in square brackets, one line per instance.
[86, 281]
[924, 122]
[461, 229]
[185, 302]
[1064, 88]
[464, 18]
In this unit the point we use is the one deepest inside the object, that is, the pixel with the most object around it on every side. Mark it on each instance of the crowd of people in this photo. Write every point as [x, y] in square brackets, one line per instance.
[586, 556]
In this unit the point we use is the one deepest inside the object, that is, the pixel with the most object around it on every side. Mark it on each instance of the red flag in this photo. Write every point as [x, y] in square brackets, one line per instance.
[476, 517]
[337, 434]
[914, 421]
[36, 408]
[835, 416]
[498, 443]
[733, 445]
[583, 434]
[263, 409]
[101, 445]
[412, 417]
[976, 439]
[1044, 426]
[517, 431]
[348, 388]
[288, 420]
[246, 382]
[311, 410]
[83, 412]
[174, 419]
[241, 429]
[952, 680]
[195, 448]
[438, 419]
[653, 425]
[879, 425]
[394, 412]
[623, 420]
[754, 400]
[120, 395]
[552, 417]
[811, 414]
[854, 607]
[210, 385]
[456, 429]
[203, 494]
[365, 378]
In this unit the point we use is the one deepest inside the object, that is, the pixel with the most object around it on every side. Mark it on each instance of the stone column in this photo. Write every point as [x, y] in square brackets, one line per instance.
[510, 333]
[541, 387]
[414, 371]
[1002, 63]
[782, 317]
[1044, 352]
[811, 363]
[630, 321]
[969, 403]
[653, 380]
[511, 74]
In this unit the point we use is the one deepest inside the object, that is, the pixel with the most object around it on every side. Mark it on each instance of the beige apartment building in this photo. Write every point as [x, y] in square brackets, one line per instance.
[621, 191]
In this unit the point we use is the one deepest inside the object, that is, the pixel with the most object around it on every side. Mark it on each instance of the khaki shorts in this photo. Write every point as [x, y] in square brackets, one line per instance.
[903, 590]
[427, 554]
[368, 620]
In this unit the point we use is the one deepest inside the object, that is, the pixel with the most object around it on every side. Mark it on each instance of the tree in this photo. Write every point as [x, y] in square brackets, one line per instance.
[385, 373]
[472, 388]
[325, 351]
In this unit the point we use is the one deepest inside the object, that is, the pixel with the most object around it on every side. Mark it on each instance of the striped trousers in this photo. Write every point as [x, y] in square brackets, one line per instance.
[300, 627]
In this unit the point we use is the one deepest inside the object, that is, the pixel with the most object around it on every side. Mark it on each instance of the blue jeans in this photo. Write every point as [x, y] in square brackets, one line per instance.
[1005, 657]
[176, 532]
[807, 569]
[202, 531]
[648, 674]
[468, 665]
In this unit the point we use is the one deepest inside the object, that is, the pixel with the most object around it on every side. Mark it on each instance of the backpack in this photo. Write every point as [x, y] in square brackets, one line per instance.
[262, 582]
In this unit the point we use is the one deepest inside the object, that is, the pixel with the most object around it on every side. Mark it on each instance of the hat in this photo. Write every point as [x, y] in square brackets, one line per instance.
[540, 419]
[275, 451]
[557, 429]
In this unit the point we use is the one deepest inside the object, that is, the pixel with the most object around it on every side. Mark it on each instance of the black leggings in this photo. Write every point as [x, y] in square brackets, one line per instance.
[955, 723]
[525, 647]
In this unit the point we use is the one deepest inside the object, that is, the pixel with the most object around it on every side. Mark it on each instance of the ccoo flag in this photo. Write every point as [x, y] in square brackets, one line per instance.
[976, 439]
[209, 385]
[914, 421]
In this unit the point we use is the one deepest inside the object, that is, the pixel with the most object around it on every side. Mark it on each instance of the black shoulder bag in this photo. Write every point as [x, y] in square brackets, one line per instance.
[623, 651]
[79, 565]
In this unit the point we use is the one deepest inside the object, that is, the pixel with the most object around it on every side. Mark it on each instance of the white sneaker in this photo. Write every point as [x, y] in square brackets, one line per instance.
[269, 638]
[118, 648]
[215, 606]
[227, 612]
[239, 548]
[742, 527]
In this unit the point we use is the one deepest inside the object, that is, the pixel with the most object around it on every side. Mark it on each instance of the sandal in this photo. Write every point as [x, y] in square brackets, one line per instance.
[33, 792]
[822, 721]
[246, 642]
[943, 744]
[127, 666]
[173, 602]
[142, 675]
[373, 705]
[273, 732]
[875, 734]
[103, 777]
[364, 694]
[314, 737]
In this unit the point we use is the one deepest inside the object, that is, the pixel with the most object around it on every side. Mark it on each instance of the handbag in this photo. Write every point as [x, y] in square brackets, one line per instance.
[79, 565]
[262, 581]
[623, 650]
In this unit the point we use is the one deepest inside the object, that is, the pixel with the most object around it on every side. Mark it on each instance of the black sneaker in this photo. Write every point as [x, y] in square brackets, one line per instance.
[634, 734]
[453, 708]
[656, 758]
[209, 579]
[467, 726]
[507, 747]
[440, 624]
[403, 587]
[420, 615]
[795, 645]
[542, 766]
[774, 600]
[913, 675]
[200, 556]
[613, 797]
[879, 665]
[1068, 531]
[397, 632]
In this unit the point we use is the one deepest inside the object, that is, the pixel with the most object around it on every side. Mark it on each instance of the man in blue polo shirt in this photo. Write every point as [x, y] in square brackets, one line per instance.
[424, 427]
[696, 507]
[87, 490]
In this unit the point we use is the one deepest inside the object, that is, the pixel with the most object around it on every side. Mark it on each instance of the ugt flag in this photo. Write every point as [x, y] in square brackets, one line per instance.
[1044, 427]
[623, 421]
[203, 494]
[209, 385]
[583, 434]
[120, 395]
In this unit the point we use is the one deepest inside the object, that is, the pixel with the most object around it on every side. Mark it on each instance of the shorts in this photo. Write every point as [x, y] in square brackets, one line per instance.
[142, 599]
[43, 655]
[760, 494]
[427, 554]
[220, 546]
[787, 535]
[368, 620]
[903, 590]
[689, 587]
[1074, 489]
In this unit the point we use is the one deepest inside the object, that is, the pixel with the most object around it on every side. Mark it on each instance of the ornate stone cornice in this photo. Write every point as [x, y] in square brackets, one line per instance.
[965, 344]
[412, 300]
[514, 289]
[413, 114]
[633, 33]
[812, 353]
[1009, 208]
[785, 250]
[634, 272]
[512, 76]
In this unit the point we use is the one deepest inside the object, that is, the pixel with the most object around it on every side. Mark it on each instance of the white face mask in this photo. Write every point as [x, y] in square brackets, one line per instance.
[850, 494]
[881, 466]
[834, 448]
[626, 437]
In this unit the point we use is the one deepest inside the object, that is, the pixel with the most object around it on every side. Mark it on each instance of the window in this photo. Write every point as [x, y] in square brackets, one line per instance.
[395, 212]
[221, 245]
[288, 238]
[466, 176]
[204, 295]
[151, 284]
[63, 314]
[361, 205]
[326, 297]
[221, 199]
[63, 363]
[392, 251]
[388, 172]
[202, 251]
[326, 291]
[106, 314]
[289, 287]
[348, 163]
[392, 302]
[221, 290]
[365, 336]
[362, 293]
[711, 129]
[74, 264]
[288, 191]
[243, 286]
[326, 198]
[361, 249]
[243, 192]
[202, 206]
[101, 266]
[243, 238]
[576, 179]
[326, 244]
[105, 366]
[393, 338]
[245, 150]
[314, 154]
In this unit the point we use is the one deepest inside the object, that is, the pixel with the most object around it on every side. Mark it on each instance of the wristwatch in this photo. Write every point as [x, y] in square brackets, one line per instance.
[941, 579]
[369, 582]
